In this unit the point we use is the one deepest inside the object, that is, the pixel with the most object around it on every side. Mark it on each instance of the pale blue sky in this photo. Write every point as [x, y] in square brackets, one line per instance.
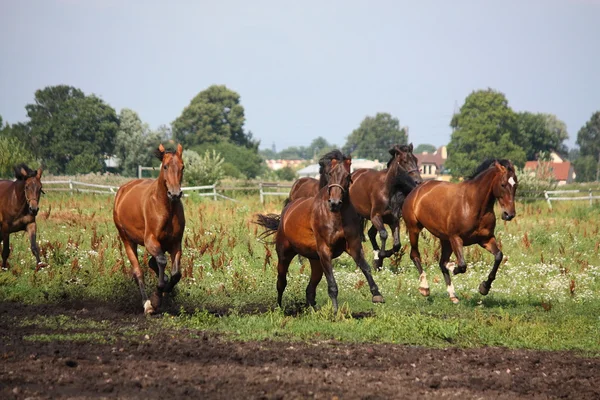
[307, 68]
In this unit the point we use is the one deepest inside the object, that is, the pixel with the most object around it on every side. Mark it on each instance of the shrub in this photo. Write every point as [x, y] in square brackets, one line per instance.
[532, 184]
[13, 152]
[202, 170]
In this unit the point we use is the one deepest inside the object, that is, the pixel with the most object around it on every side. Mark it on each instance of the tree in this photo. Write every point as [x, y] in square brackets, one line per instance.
[134, 143]
[541, 133]
[484, 128]
[13, 152]
[65, 123]
[286, 174]
[588, 139]
[375, 136]
[239, 162]
[422, 148]
[215, 115]
[318, 147]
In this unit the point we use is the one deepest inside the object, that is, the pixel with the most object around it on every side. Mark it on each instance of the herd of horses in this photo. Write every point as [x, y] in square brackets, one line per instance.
[320, 220]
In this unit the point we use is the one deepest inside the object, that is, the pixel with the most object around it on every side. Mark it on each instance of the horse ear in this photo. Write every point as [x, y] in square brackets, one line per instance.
[39, 173]
[393, 151]
[499, 166]
[179, 150]
[348, 164]
[161, 148]
[334, 162]
[410, 147]
[23, 172]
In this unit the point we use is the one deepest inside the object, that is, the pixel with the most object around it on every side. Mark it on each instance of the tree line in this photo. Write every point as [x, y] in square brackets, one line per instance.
[70, 132]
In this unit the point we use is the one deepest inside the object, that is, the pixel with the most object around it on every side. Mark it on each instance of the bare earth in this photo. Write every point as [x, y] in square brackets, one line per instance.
[194, 364]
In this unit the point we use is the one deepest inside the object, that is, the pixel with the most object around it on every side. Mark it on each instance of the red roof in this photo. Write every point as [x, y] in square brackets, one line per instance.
[430, 158]
[560, 170]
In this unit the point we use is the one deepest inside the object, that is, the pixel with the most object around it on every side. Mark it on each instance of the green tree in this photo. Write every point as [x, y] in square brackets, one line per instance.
[202, 170]
[587, 166]
[134, 143]
[239, 161]
[541, 133]
[286, 174]
[13, 152]
[215, 115]
[484, 128]
[424, 147]
[319, 147]
[375, 136]
[65, 123]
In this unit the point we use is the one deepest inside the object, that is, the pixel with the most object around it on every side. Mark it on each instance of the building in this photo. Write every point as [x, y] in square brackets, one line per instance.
[431, 165]
[562, 170]
[278, 164]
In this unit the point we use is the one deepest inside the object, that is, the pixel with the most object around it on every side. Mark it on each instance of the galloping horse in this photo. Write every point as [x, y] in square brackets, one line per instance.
[18, 207]
[308, 187]
[461, 214]
[319, 228]
[149, 212]
[379, 195]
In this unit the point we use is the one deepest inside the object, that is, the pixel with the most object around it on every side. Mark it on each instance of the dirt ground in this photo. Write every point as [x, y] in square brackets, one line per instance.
[190, 364]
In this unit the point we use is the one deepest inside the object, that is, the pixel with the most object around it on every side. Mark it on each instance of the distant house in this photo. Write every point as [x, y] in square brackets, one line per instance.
[431, 165]
[278, 164]
[313, 169]
[562, 170]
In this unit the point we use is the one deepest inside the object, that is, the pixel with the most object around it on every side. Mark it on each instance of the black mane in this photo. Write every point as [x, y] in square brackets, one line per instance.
[404, 148]
[326, 161]
[29, 173]
[487, 164]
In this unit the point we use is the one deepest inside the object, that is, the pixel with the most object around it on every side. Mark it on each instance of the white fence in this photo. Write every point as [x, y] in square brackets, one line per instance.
[272, 186]
[569, 195]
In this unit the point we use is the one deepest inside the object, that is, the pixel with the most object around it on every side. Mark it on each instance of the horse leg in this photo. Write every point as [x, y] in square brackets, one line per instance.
[457, 247]
[332, 288]
[446, 253]
[31, 231]
[377, 222]
[316, 273]
[131, 251]
[5, 246]
[491, 246]
[355, 251]
[395, 227]
[415, 256]
[155, 249]
[175, 268]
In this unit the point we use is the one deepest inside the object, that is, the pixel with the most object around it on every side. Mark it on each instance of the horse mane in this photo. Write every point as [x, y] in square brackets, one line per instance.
[487, 164]
[397, 148]
[325, 161]
[29, 173]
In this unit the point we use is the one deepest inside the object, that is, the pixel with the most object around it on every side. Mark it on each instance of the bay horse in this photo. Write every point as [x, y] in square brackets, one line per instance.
[149, 212]
[461, 214]
[308, 187]
[378, 196]
[319, 228]
[19, 204]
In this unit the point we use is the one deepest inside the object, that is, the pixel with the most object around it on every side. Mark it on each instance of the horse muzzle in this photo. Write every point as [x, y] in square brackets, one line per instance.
[335, 205]
[174, 196]
[33, 210]
[506, 216]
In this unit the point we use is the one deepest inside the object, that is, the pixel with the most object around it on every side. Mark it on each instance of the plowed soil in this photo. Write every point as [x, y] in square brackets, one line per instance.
[196, 364]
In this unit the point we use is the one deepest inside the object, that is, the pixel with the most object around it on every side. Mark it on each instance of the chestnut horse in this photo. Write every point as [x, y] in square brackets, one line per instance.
[149, 212]
[309, 187]
[319, 228]
[378, 196]
[19, 202]
[461, 214]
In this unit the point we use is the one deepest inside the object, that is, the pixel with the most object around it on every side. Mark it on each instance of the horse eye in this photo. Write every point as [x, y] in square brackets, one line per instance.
[165, 167]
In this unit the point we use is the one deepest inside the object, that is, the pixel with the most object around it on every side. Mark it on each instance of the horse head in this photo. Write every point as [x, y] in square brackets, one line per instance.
[505, 187]
[325, 165]
[33, 186]
[339, 182]
[406, 160]
[171, 170]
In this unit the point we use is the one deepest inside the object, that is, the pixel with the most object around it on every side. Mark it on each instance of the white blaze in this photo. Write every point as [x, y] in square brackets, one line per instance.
[511, 181]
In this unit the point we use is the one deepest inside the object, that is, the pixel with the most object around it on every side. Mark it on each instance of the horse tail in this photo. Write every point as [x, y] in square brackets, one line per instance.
[286, 202]
[268, 221]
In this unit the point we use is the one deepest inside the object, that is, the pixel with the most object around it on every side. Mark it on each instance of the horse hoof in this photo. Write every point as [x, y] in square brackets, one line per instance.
[156, 300]
[378, 299]
[378, 264]
[483, 288]
[424, 291]
[148, 309]
[459, 270]
[454, 300]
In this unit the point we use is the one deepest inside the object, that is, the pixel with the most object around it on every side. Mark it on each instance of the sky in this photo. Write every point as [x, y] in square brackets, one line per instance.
[308, 68]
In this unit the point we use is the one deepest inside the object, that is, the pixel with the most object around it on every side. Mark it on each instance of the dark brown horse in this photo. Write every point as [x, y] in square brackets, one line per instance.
[319, 228]
[19, 202]
[308, 187]
[149, 212]
[461, 214]
[378, 197]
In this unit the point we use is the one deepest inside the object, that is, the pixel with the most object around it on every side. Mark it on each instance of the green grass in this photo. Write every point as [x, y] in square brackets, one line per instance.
[546, 295]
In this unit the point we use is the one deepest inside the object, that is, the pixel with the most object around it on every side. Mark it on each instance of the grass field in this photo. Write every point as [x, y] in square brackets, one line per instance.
[546, 295]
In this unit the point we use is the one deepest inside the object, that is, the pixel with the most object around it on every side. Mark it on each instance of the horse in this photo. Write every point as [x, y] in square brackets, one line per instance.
[18, 207]
[308, 187]
[378, 197]
[461, 214]
[149, 212]
[319, 228]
